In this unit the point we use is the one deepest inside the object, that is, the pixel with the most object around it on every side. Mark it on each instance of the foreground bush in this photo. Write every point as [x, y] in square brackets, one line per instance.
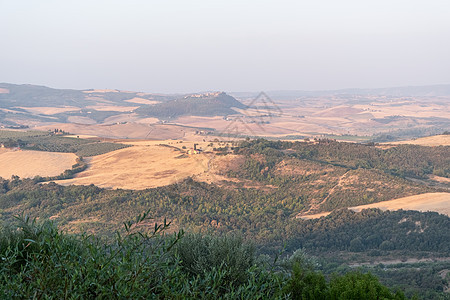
[356, 286]
[199, 255]
[38, 261]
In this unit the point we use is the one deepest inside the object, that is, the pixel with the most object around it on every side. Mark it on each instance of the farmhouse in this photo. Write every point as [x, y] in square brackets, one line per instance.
[195, 150]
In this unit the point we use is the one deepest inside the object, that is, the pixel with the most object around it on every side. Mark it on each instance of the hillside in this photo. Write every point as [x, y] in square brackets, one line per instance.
[209, 104]
[37, 105]
[148, 264]
[378, 115]
[261, 182]
[56, 140]
[28, 164]
[140, 167]
[28, 95]
[256, 215]
[129, 130]
[255, 189]
[437, 202]
[432, 141]
[427, 90]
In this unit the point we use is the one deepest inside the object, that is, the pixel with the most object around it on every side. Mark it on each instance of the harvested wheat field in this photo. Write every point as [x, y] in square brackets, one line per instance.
[122, 131]
[112, 108]
[142, 101]
[100, 91]
[438, 202]
[436, 140]
[140, 167]
[26, 164]
[49, 110]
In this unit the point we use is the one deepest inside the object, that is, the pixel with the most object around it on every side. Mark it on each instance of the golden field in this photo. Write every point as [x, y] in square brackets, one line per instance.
[27, 163]
[437, 202]
[147, 164]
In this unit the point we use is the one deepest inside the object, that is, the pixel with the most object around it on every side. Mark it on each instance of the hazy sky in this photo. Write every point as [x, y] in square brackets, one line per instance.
[188, 45]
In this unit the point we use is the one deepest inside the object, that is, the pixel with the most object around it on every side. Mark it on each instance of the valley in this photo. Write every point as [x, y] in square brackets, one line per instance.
[361, 115]
[283, 172]
[225, 150]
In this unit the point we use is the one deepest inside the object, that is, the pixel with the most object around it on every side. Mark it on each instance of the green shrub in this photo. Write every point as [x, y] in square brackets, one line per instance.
[306, 284]
[37, 261]
[356, 285]
[199, 255]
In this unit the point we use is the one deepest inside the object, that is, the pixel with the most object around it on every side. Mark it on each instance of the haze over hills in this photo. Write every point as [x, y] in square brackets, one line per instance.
[30, 95]
[225, 150]
[184, 158]
[99, 105]
[206, 104]
[418, 91]
[391, 113]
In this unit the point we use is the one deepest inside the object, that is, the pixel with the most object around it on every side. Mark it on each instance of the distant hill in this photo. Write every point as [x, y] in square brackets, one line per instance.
[29, 95]
[22, 104]
[418, 91]
[33, 95]
[208, 104]
[385, 114]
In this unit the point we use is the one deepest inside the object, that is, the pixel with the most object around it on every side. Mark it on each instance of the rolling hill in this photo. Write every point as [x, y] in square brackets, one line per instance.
[209, 104]
[30, 104]
[378, 115]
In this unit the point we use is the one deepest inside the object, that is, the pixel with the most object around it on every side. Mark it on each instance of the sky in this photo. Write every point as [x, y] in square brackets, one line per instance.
[180, 46]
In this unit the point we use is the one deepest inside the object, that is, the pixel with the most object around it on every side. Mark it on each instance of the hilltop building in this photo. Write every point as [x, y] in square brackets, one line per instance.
[195, 150]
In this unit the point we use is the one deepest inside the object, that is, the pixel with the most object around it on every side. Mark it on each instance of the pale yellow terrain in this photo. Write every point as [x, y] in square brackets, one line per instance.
[200, 121]
[9, 110]
[437, 202]
[26, 164]
[405, 108]
[121, 118]
[173, 143]
[309, 116]
[440, 179]
[436, 140]
[142, 101]
[49, 110]
[81, 120]
[315, 117]
[239, 125]
[338, 111]
[112, 108]
[82, 136]
[145, 165]
[148, 121]
[98, 99]
[130, 130]
[101, 91]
